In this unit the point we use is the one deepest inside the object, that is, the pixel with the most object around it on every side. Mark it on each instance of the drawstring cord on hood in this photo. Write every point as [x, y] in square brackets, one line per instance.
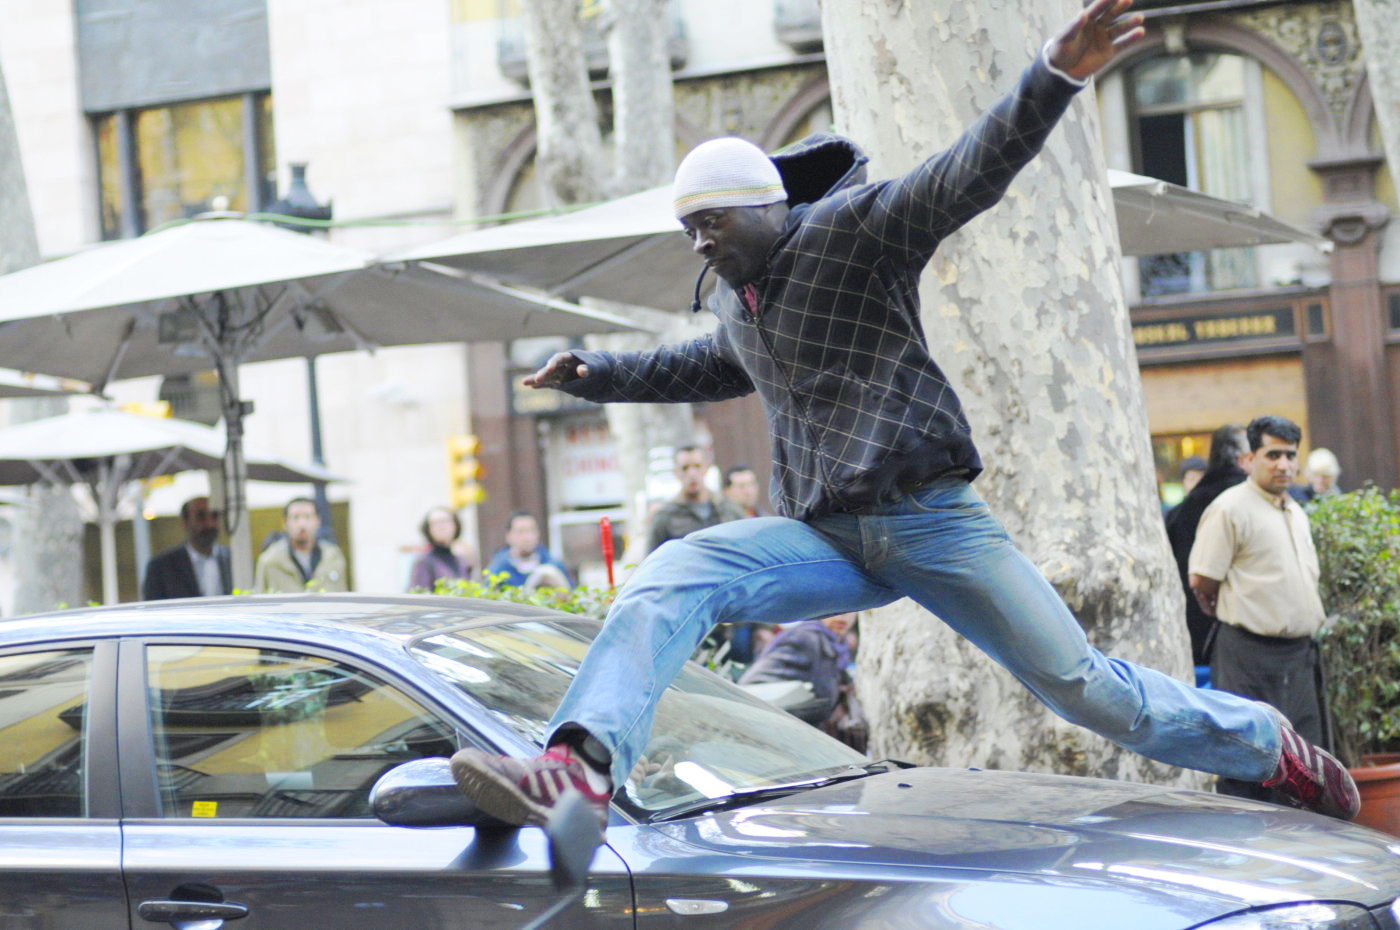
[695, 304]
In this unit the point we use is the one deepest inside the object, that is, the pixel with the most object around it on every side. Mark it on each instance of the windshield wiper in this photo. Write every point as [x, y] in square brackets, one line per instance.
[754, 795]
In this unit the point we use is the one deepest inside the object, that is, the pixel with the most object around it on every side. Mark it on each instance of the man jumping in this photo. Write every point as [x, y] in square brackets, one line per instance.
[873, 461]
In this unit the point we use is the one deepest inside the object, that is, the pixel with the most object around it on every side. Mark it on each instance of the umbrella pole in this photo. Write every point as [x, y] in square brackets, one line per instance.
[107, 530]
[235, 475]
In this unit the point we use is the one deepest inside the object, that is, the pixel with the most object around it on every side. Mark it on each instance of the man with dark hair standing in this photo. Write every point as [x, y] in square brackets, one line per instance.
[741, 487]
[1229, 451]
[198, 567]
[694, 507]
[873, 460]
[1254, 567]
[299, 561]
[523, 560]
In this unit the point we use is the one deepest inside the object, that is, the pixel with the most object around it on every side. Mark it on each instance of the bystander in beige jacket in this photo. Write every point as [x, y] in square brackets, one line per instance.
[279, 570]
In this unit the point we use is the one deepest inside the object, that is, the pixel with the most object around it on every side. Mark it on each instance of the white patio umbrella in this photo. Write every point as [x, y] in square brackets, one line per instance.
[26, 384]
[105, 449]
[631, 249]
[223, 291]
[1157, 217]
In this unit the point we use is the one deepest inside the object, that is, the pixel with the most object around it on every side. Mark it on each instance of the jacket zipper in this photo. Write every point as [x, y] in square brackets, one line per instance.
[787, 382]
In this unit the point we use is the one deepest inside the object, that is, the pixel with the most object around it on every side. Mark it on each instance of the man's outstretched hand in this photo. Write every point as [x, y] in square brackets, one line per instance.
[561, 367]
[1095, 36]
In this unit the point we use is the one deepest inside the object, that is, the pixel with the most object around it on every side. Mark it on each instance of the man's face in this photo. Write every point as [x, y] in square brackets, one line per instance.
[302, 523]
[1273, 465]
[839, 624]
[690, 469]
[743, 490]
[735, 241]
[523, 536]
[201, 524]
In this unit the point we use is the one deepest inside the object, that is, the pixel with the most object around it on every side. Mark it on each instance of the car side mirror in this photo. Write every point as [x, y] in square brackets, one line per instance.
[574, 837]
[423, 793]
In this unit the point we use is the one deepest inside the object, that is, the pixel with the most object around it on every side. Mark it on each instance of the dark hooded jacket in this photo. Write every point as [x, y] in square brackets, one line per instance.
[856, 405]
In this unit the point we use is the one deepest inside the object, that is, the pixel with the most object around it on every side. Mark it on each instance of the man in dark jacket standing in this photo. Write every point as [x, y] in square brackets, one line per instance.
[198, 567]
[1228, 449]
[873, 459]
[695, 507]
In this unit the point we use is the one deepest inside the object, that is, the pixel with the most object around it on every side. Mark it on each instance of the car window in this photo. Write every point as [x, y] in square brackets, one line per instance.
[711, 738]
[242, 732]
[43, 708]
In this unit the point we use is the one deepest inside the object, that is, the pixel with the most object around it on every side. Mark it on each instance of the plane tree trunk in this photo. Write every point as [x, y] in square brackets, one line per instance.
[1378, 23]
[1024, 310]
[48, 531]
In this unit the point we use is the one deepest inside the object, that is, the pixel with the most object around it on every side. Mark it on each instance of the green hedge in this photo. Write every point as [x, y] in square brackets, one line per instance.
[591, 602]
[1358, 545]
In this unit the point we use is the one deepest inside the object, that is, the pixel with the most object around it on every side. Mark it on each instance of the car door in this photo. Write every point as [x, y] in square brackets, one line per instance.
[246, 770]
[60, 842]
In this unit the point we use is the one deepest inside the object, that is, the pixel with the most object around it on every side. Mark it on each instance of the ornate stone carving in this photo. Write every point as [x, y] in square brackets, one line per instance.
[1322, 37]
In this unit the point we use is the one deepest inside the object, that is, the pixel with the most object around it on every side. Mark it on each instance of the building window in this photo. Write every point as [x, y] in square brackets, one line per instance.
[165, 163]
[1189, 126]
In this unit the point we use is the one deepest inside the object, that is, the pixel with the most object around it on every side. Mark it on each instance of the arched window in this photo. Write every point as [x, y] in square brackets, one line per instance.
[1191, 119]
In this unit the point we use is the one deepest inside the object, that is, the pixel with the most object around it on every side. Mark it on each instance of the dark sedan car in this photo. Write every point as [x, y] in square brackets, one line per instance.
[192, 763]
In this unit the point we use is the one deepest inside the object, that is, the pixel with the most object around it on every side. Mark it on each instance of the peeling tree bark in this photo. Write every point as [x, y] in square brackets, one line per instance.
[48, 534]
[1378, 23]
[569, 147]
[1025, 312]
[643, 105]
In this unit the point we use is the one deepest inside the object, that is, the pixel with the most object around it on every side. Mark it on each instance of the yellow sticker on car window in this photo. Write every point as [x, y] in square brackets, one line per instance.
[204, 809]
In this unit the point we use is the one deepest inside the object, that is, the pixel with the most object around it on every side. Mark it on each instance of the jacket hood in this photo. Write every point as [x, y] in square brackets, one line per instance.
[819, 166]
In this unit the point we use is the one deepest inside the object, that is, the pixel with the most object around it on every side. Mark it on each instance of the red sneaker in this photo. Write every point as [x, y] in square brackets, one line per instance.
[1314, 778]
[522, 791]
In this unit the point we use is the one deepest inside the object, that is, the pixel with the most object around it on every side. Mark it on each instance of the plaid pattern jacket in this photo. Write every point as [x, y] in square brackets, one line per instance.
[856, 405]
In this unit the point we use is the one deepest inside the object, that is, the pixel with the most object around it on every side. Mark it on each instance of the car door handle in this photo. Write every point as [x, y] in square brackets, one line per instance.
[171, 911]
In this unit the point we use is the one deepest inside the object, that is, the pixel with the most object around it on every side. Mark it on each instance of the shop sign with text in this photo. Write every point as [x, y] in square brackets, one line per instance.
[1216, 328]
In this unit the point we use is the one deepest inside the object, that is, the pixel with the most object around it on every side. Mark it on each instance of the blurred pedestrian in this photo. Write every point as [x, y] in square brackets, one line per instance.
[199, 566]
[447, 557]
[1322, 472]
[741, 487]
[523, 556]
[1192, 469]
[814, 651]
[695, 507]
[1229, 451]
[301, 561]
[1254, 566]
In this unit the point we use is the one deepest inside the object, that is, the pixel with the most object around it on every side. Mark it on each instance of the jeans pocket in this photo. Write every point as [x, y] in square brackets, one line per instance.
[949, 496]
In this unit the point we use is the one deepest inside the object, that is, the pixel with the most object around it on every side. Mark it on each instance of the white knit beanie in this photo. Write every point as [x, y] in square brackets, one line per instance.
[727, 172]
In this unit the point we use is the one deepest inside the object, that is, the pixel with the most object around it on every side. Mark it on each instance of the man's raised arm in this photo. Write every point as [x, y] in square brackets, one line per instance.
[913, 213]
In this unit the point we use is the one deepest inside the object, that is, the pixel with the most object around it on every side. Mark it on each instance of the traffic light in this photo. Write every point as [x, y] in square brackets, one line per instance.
[463, 471]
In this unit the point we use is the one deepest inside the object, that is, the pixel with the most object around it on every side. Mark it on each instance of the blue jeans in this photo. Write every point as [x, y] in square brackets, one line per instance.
[939, 546]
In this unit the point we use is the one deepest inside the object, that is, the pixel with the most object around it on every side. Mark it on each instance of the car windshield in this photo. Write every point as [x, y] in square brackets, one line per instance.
[711, 738]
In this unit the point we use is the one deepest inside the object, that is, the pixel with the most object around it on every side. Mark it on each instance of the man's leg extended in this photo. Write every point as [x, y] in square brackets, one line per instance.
[770, 569]
[946, 551]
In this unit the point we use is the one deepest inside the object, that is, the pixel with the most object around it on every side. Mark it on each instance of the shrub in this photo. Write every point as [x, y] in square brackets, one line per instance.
[1358, 545]
[591, 602]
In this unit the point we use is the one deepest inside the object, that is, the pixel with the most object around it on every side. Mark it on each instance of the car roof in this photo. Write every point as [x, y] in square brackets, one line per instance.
[387, 619]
